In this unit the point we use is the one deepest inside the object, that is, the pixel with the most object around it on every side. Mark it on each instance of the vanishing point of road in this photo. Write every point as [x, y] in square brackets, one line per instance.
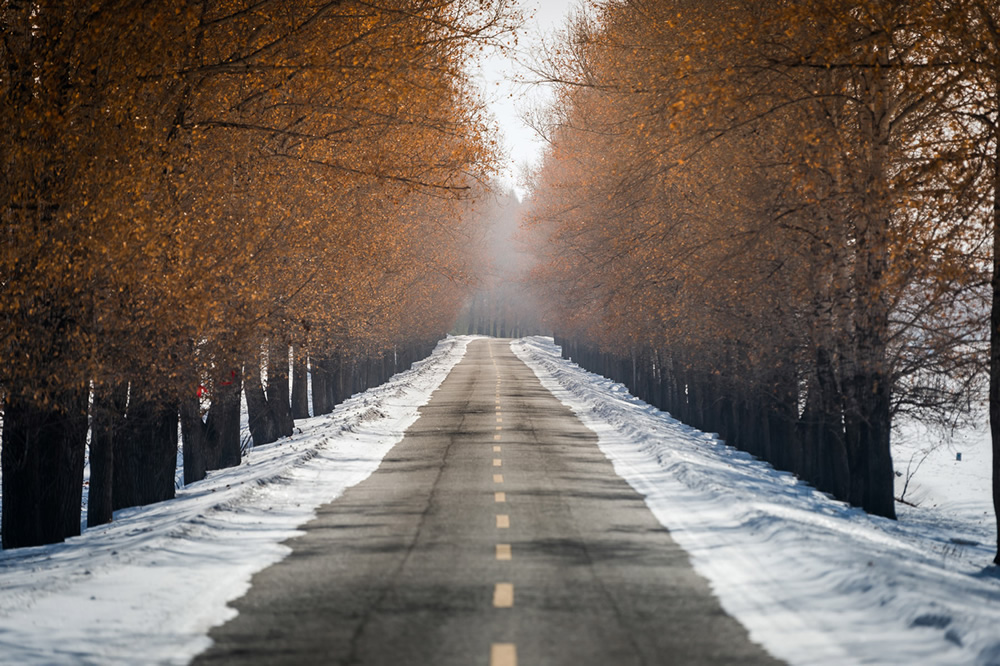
[494, 533]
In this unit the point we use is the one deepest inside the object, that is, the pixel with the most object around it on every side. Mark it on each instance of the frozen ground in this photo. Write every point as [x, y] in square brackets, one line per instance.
[813, 580]
[146, 588]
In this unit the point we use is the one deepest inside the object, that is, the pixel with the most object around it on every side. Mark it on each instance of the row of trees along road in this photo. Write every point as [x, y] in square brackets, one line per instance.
[779, 220]
[195, 191]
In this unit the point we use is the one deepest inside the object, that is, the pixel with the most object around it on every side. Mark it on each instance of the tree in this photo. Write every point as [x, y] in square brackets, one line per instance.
[182, 181]
[757, 216]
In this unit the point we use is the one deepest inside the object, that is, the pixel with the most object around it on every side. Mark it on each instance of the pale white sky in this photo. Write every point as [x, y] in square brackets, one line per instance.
[508, 99]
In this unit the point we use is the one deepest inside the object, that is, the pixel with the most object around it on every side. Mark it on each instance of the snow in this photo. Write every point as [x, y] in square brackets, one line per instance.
[149, 586]
[813, 580]
[959, 489]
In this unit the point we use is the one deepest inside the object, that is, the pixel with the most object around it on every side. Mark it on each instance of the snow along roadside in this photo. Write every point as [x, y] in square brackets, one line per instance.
[813, 580]
[149, 586]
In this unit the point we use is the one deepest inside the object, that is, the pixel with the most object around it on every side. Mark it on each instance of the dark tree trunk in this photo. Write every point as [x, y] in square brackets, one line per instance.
[350, 376]
[260, 416]
[831, 435]
[751, 426]
[785, 445]
[372, 363]
[107, 422]
[867, 423]
[195, 435]
[869, 416]
[213, 442]
[278, 395]
[994, 392]
[145, 454]
[222, 428]
[334, 380]
[319, 387]
[42, 460]
[300, 382]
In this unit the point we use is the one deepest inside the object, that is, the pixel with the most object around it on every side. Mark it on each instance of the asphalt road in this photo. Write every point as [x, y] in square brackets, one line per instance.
[495, 533]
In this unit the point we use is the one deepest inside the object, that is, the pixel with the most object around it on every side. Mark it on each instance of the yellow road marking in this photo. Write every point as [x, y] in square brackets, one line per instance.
[503, 595]
[496, 436]
[503, 654]
[499, 427]
[498, 478]
[503, 521]
[500, 497]
[497, 462]
[499, 420]
[503, 551]
[496, 448]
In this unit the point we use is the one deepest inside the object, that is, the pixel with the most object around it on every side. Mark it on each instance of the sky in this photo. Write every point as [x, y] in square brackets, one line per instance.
[508, 96]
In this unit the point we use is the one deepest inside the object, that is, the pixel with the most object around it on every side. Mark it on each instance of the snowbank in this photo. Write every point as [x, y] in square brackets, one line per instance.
[813, 580]
[147, 588]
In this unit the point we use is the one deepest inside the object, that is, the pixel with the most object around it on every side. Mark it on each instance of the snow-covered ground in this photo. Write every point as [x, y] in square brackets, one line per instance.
[147, 588]
[813, 580]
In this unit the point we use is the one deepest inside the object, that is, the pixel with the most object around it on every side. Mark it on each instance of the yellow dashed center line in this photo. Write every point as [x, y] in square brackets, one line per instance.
[503, 595]
[503, 654]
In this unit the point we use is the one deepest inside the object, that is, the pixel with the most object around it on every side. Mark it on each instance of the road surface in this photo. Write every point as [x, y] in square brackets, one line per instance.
[494, 533]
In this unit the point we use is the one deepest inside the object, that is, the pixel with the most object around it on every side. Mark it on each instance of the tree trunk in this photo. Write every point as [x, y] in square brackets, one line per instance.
[994, 392]
[146, 453]
[222, 428]
[260, 416]
[213, 442]
[107, 424]
[300, 382]
[832, 457]
[195, 435]
[334, 390]
[319, 387]
[372, 365]
[868, 419]
[42, 460]
[278, 396]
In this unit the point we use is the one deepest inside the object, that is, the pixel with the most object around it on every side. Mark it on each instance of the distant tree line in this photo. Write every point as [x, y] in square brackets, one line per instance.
[502, 305]
[779, 220]
[203, 198]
